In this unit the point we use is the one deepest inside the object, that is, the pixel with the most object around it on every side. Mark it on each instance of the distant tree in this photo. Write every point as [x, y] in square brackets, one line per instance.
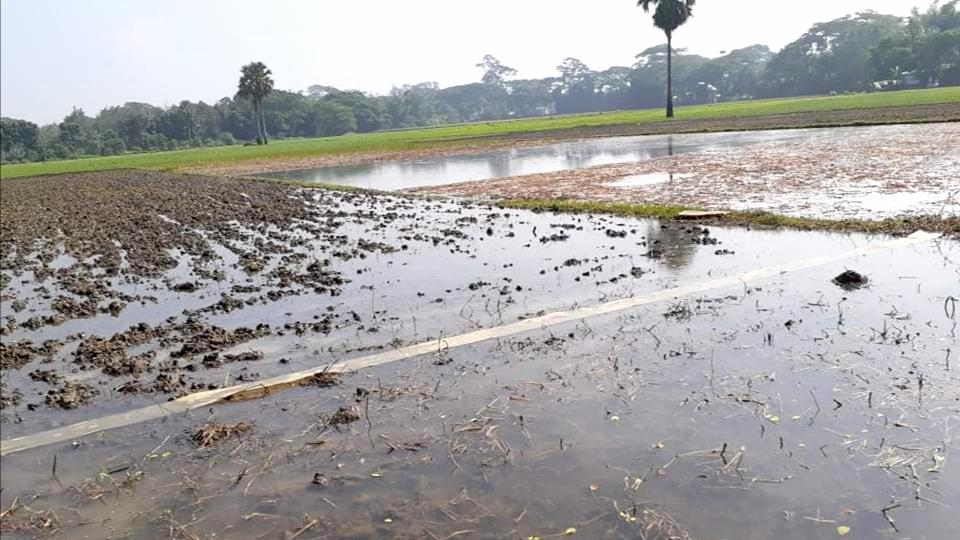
[928, 47]
[577, 90]
[177, 122]
[530, 97]
[18, 139]
[286, 113]
[134, 128]
[112, 144]
[329, 119]
[368, 111]
[256, 84]
[319, 90]
[495, 73]
[833, 56]
[668, 15]
[413, 105]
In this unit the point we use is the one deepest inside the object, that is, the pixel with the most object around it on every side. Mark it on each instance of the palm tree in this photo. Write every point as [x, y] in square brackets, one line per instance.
[256, 84]
[668, 15]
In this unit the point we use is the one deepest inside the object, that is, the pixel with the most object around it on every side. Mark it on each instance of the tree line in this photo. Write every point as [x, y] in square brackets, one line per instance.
[866, 51]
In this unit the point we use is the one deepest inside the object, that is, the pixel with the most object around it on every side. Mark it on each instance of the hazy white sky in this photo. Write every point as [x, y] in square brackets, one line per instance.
[55, 54]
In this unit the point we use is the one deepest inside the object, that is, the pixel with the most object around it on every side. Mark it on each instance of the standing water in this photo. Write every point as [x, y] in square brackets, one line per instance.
[394, 175]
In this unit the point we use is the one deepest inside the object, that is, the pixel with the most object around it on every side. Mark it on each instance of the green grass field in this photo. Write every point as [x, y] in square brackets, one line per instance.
[474, 134]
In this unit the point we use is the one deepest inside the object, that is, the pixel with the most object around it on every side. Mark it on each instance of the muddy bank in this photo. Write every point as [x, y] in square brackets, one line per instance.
[886, 115]
[856, 173]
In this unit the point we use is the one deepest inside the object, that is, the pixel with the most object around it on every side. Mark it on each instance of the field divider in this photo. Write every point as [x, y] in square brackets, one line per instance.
[262, 388]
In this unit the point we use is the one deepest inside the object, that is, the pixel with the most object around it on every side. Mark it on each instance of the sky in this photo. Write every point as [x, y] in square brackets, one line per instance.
[57, 54]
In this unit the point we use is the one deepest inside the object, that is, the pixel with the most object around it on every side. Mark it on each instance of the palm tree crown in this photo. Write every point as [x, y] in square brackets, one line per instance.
[668, 15]
[255, 81]
[256, 84]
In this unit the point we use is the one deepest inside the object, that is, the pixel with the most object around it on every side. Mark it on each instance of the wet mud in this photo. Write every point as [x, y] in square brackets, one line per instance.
[865, 173]
[789, 407]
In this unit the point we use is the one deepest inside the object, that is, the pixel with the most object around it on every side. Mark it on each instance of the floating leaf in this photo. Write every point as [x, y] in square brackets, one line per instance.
[570, 531]
[774, 419]
[594, 488]
[843, 530]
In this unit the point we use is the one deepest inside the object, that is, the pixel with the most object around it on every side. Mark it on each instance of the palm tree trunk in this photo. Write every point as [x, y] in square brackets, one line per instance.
[263, 119]
[669, 76]
[256, 118]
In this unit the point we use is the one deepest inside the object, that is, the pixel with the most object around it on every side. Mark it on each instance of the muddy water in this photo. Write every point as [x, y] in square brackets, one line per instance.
[395, 175]
[781, 408]
[784, 409]
[496, 267]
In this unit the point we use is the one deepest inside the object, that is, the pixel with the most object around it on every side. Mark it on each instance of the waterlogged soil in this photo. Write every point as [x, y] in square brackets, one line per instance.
[940, 112]
[790, 407]
[868, 173]
[163, 285]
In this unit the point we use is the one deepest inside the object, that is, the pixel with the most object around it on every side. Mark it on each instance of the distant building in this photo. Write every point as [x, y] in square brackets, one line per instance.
[906, 80]
[702, 93]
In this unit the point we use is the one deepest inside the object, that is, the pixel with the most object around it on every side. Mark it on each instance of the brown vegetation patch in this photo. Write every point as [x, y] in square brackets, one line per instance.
[212, 433]
[70, 396]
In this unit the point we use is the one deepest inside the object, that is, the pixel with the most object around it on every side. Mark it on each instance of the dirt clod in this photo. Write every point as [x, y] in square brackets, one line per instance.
[850, 280]
[70, 396]
[213, 433]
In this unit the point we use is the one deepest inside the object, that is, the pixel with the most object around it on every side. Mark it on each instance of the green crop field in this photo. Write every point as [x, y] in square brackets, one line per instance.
[459, 135]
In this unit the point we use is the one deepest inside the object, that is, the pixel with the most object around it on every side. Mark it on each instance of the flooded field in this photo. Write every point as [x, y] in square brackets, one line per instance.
[788, 406]
[837, 173]
[503, 163]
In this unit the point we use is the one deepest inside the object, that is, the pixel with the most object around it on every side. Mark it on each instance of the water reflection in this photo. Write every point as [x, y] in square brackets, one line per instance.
[393, 175]
[672, 245]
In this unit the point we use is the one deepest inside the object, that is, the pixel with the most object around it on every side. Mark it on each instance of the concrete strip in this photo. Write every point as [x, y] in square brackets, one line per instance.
[274, 384]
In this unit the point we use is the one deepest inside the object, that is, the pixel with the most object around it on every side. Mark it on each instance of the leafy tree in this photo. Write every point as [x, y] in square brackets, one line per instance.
[368, 111]
[735, 75]
[668, 15]
[531, 97]
[177, 122]
[112, 144]
[576, 91]
[256, 84]
[649, 75]
[413, 105]
[329, 118]
[494, 72]
[832, 56]
[18, 139]
[286, 113]
[134, 128]
[928, 47]
[612, 88]
[76, 133]
[207, 121]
